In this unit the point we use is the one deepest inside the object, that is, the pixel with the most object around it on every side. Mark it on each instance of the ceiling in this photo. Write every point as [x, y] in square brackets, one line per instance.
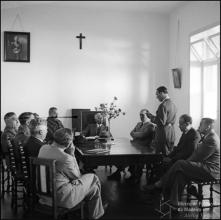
[147, 6]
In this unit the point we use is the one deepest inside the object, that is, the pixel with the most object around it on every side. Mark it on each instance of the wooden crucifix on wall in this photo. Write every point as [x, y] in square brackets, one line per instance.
[80, 37]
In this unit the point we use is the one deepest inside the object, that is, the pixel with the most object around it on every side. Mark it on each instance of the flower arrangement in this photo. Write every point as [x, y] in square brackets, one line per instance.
[111, 111]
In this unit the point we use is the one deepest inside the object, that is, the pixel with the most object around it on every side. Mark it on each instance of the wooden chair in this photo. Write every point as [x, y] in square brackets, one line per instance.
[5, 174]
[18, 179]
[5, 178]
[43, 177]
[26, 178]
[200, 198]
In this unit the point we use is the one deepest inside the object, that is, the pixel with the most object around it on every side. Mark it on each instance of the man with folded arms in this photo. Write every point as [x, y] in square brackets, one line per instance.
[72, 186]
[143, 134]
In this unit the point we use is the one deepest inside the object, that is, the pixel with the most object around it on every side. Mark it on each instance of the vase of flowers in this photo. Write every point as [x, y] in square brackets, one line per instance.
[110, 111]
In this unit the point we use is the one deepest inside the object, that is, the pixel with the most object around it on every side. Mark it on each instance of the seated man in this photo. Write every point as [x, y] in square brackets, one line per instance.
[203, 164]
[38, 129]
[72, 186]
[23, 131]
[10, 132]
[187, 143]
[143, 133]
[53, 124]
[97, 129]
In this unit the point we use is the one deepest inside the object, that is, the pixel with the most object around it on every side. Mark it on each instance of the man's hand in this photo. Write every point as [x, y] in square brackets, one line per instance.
[149, 115]
[166, 160]
[70, 149]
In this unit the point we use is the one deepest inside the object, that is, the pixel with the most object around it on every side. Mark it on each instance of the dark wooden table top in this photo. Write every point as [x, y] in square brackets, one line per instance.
[119, 146]
[120, 151]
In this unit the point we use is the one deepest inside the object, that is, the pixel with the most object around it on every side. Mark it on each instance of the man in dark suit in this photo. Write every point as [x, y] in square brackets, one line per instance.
[38, 129]
[10, 131]
[24, 131]
[203, 164]
[53, 124]
[97, 129]
[187, 143]
[165, 119]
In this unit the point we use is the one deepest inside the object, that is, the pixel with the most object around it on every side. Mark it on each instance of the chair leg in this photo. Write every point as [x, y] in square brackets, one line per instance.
[8, 181]
[200, 199]
[188, 196]
[2, 180]
[211, 195]
[13, 193]
[82, 210]
[16, 197]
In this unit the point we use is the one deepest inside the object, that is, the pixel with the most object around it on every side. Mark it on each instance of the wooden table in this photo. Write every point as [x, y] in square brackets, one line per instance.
[122, 152]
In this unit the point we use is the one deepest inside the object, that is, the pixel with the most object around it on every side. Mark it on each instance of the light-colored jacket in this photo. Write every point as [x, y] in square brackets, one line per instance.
[208, 154]
[67, 175]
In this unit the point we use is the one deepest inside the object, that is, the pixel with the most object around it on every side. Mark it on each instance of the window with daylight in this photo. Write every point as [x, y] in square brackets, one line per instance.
[204, 76]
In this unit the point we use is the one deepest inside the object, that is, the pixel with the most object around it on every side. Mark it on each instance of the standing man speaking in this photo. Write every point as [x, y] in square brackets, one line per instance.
[165, 119]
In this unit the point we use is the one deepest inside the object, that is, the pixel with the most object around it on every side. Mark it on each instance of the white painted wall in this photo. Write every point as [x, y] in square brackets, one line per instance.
[194, 16]
[124, 55]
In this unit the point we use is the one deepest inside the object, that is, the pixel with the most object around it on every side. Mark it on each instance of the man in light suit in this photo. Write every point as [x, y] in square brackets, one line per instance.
[165, 119]
[203, 164]
[72, 186]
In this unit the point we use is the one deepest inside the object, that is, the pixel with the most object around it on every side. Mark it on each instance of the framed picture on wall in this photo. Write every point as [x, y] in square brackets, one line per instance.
[176, 77]
[16, 46]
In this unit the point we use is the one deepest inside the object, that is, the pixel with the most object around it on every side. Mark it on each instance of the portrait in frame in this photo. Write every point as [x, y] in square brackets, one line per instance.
[16, 46]
[176, 77]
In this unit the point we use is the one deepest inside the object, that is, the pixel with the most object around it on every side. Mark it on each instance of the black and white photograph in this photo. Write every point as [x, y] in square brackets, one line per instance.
[110, 110]
[16, 46]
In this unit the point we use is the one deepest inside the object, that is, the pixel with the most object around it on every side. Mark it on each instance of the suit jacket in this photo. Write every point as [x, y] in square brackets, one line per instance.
[67, 175]
[32, 147]
[165, 119]
[53, 125]
[94, 130]
[186, 146]
[208, 154]
[143, 133]
[23, 135]
[10, 133]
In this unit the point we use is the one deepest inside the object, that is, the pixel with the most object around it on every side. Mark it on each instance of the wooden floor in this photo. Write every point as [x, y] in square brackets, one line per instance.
[126, 201]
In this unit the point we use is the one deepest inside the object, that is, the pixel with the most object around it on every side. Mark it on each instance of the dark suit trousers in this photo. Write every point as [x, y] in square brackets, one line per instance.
[179, 174]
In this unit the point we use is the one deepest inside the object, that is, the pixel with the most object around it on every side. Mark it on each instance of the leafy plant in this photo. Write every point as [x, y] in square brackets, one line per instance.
[110, 111]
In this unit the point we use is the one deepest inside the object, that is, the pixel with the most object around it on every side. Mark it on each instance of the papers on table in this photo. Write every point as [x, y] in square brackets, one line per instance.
[96, 151]
[91, 138]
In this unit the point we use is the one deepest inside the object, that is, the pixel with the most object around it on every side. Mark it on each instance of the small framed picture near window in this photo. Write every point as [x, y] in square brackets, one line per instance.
[176, 77]
[16, 46]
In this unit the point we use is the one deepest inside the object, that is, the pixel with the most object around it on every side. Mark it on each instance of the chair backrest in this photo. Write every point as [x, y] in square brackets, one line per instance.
[11, 155]
[43, 184]
[24, 165]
